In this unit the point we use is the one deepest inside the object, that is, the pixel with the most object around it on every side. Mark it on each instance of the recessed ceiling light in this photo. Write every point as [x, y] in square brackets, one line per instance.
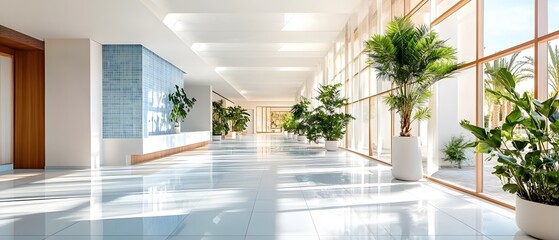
[170, 21]
[199, 47]
[242, 92]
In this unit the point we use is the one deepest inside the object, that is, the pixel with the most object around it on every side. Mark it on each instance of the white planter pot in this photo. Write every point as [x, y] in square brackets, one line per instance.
[320, 140]
[285, 133]
[216, 138]
[234, 135]
[536, 219]
[289, 135]
[331, 145]
[177, 129]
[302, 138]
[295, 136]
[406, 158]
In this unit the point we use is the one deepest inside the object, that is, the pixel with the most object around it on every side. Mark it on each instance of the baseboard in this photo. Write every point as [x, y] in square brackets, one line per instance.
[6, 167]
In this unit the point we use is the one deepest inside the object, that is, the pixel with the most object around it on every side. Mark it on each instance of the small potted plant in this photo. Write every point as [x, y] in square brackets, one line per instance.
[181, 107]
[454, 151]
[526, 148]
[286, 120]
[220, 127]
[412, 58]
[301, 114]
[239, 118]
[327, 120]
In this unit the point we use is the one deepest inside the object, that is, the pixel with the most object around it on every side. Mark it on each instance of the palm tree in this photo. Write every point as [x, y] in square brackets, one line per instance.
[553, 69]
[520, 70]
[413, 58]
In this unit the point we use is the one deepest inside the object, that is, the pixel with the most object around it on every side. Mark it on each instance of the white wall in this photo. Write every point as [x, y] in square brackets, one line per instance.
[73, 78]
[6, 110]
[200, 117]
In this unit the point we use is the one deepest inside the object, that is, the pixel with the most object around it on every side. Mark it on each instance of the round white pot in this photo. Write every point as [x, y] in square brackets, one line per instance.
[216, 138]
[536, 219]
[331, 145]
[177, 129]
[295, 136]
[320, 140]
[289, 135]
[302, 138]
[285, 133]
[234, 135]
[406, 158]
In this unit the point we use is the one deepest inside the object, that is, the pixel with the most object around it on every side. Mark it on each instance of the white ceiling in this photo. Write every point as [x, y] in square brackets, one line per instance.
[256, 50]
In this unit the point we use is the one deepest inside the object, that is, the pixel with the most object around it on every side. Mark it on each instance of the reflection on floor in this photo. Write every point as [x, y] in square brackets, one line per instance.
[253, 187]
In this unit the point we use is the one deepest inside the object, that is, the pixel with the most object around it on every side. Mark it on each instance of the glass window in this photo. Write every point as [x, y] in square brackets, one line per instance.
[384, 136]
[552, 16]
[385, 15]
[443, 5]
[495, 110]
[455, 101]
[459, 29]
[423, 15]
[506, 24]
[553, 67]
[397, 8]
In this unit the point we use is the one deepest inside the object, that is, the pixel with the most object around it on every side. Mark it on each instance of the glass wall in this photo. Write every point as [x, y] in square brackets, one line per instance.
[486, 34]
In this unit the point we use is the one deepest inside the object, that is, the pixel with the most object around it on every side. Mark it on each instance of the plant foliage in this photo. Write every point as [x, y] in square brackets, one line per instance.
[326, 120]
[454, 151]
[181, 105]
[301, 115]
[288, 122]
[239, 118]
[526, 146]
[413, 58]
[220, 124]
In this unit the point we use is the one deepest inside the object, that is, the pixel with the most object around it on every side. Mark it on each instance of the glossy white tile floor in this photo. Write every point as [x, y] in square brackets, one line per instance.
[256, 187]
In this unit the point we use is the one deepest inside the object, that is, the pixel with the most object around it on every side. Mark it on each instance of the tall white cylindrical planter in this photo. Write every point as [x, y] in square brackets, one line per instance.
[331, 145]
[407, 164]
[536, 219]
[295, 136]
[289, 135]
[177, 129]
[233, 135]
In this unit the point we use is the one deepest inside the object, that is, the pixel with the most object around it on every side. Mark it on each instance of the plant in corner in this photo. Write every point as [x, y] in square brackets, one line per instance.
[454, 151]
[181, 107]
[526, 148]
[327, 120]
[220, 124]
[412, 58]
[301, 115]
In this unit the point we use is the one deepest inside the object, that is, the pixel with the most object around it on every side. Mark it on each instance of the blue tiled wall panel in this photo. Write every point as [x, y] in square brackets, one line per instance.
[159, 79]
[135, 86]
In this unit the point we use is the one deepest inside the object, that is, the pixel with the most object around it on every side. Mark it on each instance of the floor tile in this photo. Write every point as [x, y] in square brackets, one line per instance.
[214, 223]
[297, 223]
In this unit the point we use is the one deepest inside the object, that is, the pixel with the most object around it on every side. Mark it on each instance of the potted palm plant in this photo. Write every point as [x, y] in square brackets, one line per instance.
[412, 58]
[526, 148]
[220, 126]
[301, 114]
[326, 120]
[239, 119]
[181, 107]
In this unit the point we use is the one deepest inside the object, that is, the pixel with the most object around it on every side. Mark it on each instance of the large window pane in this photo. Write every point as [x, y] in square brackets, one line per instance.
[455, 101]
[443, 6]
[507, 23]
[553, 67]
[552, 16]
[460, 31]
[423, 15]
[384, 136]
[495, 110]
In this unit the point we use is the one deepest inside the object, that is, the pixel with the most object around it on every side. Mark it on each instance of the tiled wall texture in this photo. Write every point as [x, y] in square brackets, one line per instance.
[135, 86]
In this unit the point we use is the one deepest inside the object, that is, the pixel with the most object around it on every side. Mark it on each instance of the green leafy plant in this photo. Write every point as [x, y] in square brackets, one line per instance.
[454, 151]
[526, 146]
[412, 58]
[181, 105]
[220, 124]
[301, 114]
[326, 120]
[287, 122]
[239, 118]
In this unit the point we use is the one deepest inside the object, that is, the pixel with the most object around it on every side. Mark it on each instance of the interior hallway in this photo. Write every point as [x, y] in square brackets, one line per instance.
[254, 187]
